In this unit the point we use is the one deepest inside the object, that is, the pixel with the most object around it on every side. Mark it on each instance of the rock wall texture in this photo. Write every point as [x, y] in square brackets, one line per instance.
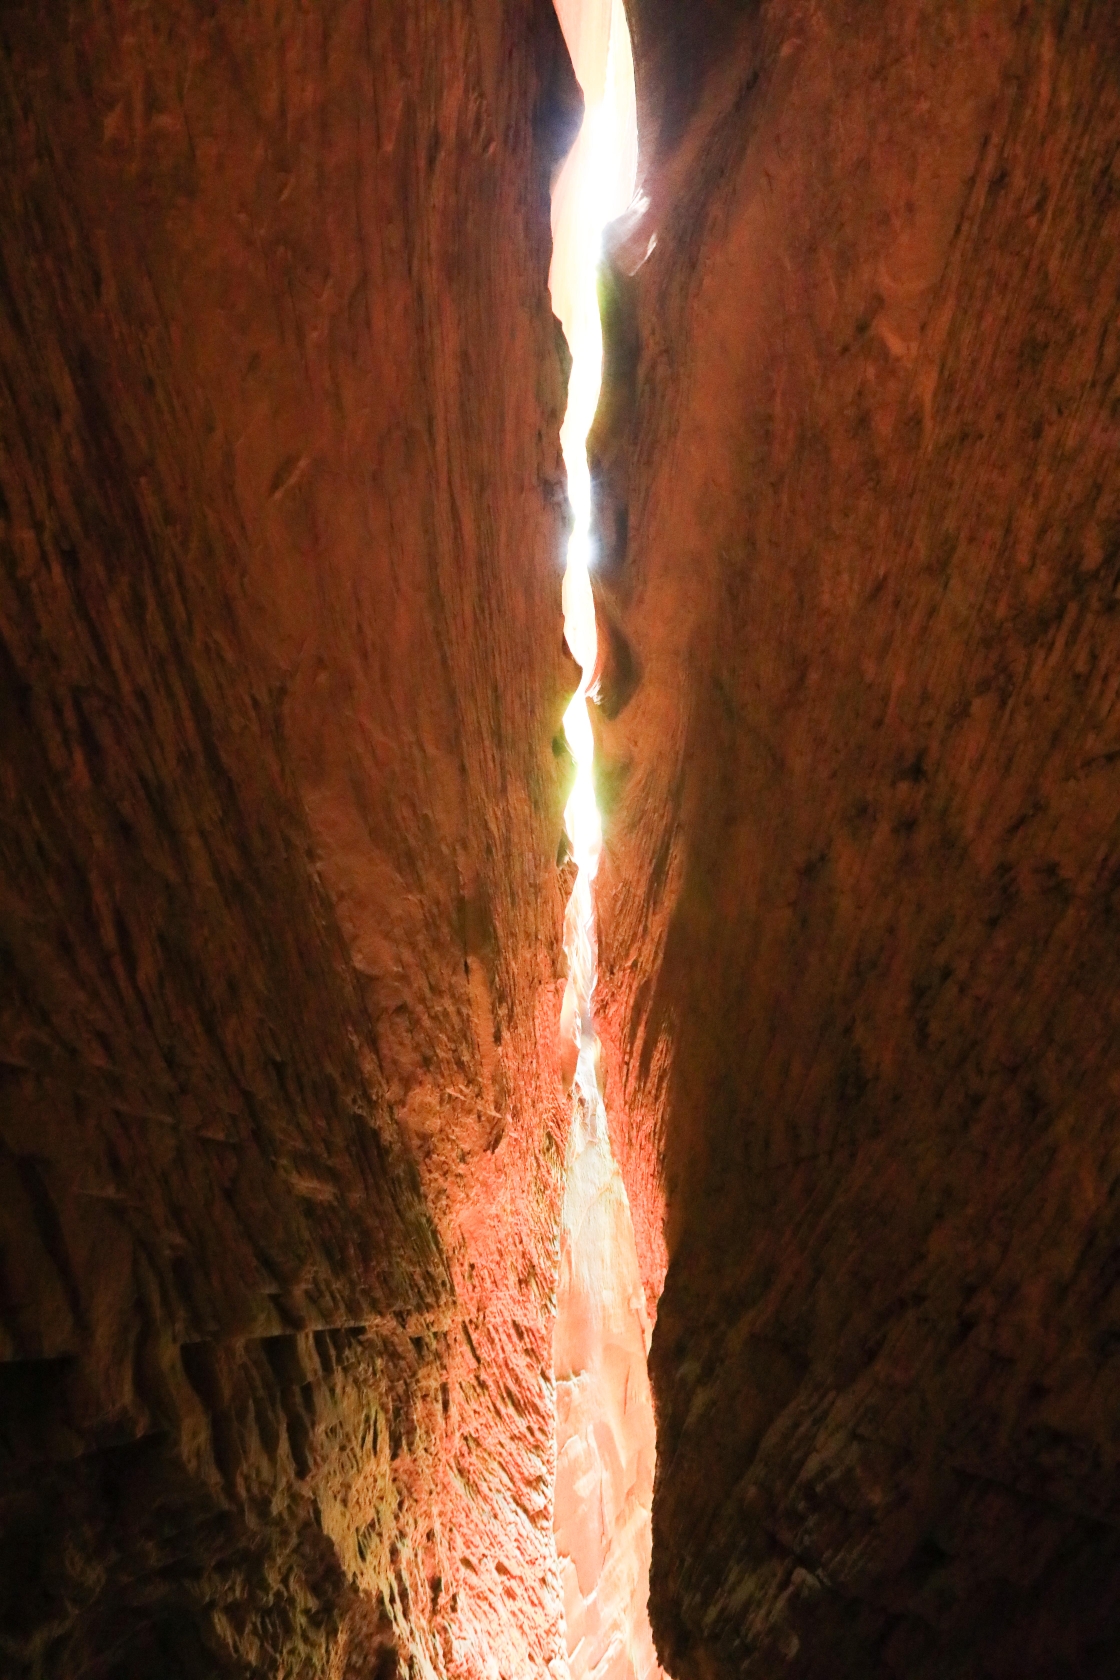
[281, 668]
[280, 1140]
[860, 513]
[606, 1438]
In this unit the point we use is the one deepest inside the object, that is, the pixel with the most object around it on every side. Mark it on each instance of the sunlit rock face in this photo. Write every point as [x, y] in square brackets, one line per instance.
[280, 508]
[860, 508]
[605, 1439]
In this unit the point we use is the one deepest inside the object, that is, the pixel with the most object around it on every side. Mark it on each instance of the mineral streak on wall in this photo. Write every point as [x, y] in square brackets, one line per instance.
[605, 1425]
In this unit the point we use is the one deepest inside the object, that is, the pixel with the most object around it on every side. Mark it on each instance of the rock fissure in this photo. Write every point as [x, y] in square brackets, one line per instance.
[604, 1416]
[322, 1321]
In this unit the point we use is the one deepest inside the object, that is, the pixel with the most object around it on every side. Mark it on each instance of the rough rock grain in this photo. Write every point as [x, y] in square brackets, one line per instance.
[279, 624]
[860, 510]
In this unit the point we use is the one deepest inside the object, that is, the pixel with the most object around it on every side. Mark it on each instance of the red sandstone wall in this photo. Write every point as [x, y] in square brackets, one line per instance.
[858, 473]
[279, 621]
[278, 402]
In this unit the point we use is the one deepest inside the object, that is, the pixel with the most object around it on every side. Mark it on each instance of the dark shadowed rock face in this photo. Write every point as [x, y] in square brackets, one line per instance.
[279, 671]
[861, 500]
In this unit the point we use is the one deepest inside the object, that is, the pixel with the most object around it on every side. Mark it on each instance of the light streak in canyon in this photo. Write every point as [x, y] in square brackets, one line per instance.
[604, 1415]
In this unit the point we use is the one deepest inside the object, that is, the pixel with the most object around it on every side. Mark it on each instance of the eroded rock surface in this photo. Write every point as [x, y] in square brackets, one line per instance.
[279, 505]
[861, 522]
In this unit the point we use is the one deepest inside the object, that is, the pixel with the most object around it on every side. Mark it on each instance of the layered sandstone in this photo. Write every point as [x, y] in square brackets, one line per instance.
[860, 505]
